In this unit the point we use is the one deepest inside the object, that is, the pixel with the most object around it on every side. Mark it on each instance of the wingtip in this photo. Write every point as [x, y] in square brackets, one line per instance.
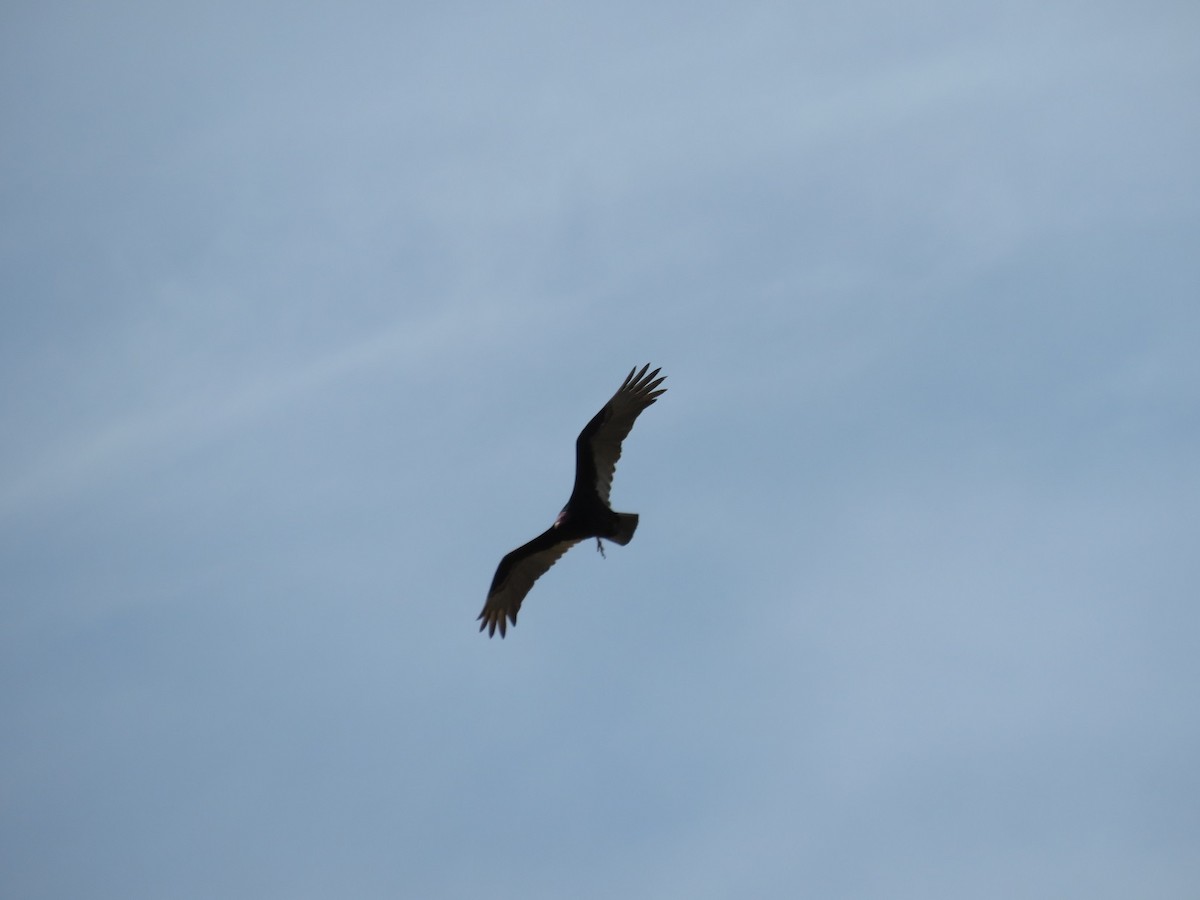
[487, 623]
[642, 380]
[644, 384]
[490, 623]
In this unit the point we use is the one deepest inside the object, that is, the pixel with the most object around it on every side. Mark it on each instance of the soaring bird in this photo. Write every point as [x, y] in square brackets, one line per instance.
[587, 513]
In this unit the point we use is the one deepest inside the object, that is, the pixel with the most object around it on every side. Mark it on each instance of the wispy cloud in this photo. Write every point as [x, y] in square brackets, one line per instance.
[126, 441]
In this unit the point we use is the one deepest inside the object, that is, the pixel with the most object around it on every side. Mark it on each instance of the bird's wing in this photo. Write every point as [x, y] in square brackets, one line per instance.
[515, 576]
[599, 444]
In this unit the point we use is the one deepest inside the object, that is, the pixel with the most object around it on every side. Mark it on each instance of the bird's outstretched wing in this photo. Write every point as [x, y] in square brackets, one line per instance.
[598, 446]
[515, 576]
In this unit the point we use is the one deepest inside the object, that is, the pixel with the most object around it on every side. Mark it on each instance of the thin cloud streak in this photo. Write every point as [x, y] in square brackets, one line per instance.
[202, 417]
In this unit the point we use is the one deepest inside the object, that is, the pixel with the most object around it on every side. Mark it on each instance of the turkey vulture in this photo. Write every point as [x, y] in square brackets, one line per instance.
[587, 513]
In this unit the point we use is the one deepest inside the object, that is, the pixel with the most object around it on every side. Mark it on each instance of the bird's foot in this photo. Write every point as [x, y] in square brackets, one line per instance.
[600, 547]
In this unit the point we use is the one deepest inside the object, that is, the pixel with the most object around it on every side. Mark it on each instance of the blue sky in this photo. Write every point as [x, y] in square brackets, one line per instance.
[303, 309]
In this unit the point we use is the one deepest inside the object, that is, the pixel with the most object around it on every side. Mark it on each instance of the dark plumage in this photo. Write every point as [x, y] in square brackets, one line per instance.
[587, 513]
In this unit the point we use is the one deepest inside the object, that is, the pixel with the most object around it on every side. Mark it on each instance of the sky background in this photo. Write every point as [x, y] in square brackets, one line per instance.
[304, 305]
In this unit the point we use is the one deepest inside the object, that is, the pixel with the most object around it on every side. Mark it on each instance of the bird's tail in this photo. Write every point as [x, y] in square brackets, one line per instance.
[626, 526]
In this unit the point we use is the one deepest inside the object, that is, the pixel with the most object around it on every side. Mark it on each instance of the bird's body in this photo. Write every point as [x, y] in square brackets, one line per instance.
[587, 513]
